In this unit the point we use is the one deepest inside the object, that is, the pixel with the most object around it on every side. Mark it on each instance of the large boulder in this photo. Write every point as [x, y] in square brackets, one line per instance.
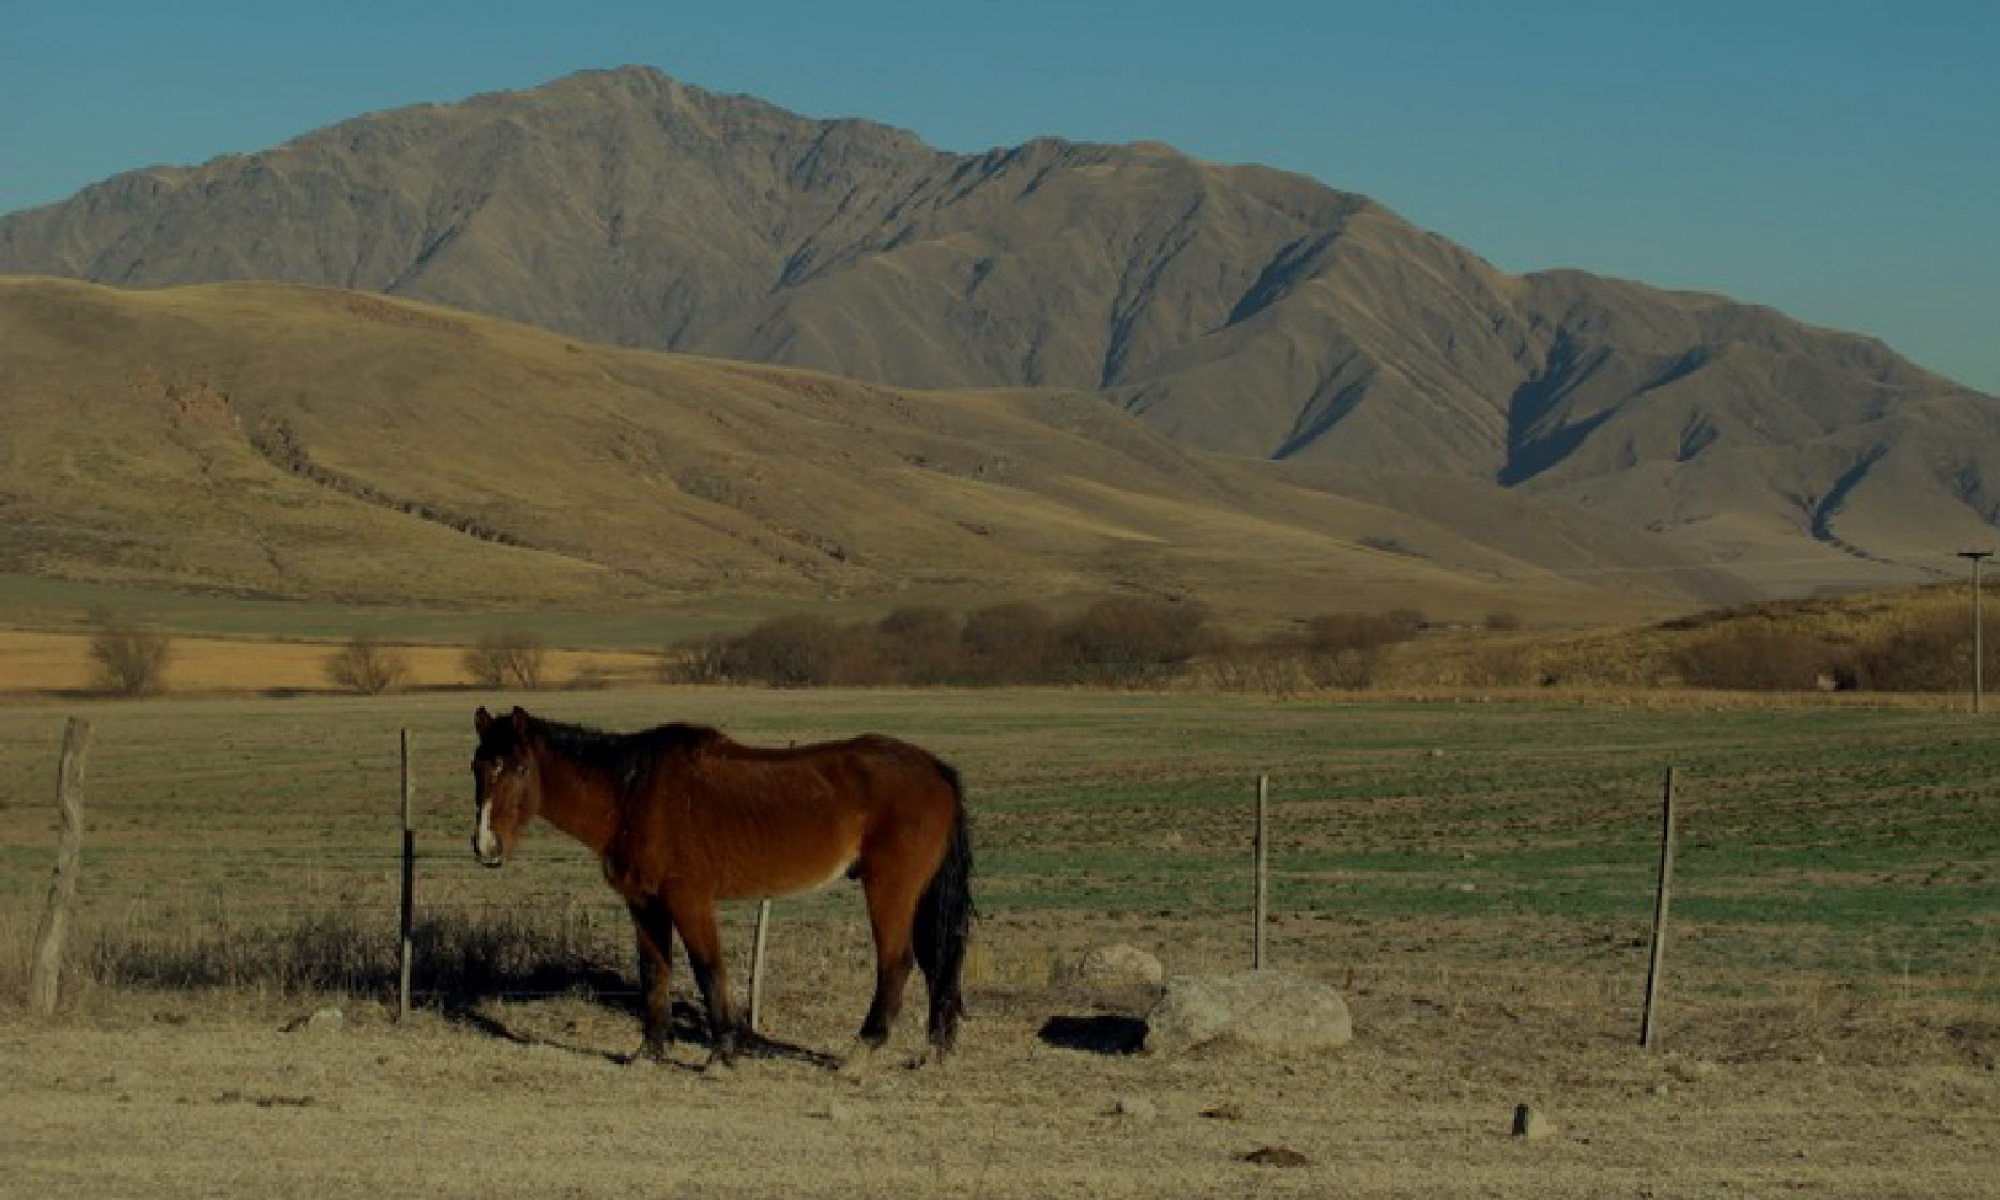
[1266, 1010]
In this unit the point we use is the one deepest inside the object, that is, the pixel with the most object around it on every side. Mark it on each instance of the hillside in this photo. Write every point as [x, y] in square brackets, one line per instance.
[1234, 309]
[272, 440]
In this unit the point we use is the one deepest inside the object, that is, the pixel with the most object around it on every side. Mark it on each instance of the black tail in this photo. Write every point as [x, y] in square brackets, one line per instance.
[944, 922]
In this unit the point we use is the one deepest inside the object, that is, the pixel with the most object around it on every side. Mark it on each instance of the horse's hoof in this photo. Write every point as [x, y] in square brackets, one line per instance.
[653, 1050]
[858, 1060]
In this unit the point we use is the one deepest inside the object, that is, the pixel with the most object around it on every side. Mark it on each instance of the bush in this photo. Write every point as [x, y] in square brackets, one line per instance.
[126, 659]
[507, 659]
[367, 666]
[803, 651]
[1007, 643]
[1128, 641]
[1930, 654]
[1754, 657]
[919, 644]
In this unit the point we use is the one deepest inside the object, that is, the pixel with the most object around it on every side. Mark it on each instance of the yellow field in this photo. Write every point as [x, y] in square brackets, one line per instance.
[34, 662]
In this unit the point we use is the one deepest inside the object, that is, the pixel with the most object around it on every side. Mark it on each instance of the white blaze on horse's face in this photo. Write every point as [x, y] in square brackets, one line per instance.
[487, 844]
[484, 843]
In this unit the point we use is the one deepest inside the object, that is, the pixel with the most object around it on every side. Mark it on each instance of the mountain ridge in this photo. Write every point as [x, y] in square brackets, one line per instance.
[1235, 309]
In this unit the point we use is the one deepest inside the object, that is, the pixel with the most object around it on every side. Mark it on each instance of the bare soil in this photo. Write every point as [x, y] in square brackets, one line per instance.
[181, 1095]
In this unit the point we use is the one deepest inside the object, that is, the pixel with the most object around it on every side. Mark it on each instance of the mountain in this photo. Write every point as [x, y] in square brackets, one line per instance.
[1233, 309]
[278, 440]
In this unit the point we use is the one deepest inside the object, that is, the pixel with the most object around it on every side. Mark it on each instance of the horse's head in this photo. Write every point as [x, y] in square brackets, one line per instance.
[506, 784]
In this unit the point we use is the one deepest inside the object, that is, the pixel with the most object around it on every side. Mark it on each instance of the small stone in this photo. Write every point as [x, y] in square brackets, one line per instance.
[1119, 966]
[1224, 1112]
[1277, 1156]
[320, 1020]
[1135, 1106]
[1532, 1123]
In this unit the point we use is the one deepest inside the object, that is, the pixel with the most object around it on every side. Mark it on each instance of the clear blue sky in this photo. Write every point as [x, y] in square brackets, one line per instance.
[1839, 160]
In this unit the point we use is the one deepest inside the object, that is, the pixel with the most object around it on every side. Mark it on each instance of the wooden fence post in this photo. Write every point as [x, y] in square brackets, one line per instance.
[757, 941]
[405, 954]
[1260, 909]
[1656, 958]
[45, 970]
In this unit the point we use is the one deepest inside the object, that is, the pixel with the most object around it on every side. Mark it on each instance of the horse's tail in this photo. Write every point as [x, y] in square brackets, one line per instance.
[944, 922]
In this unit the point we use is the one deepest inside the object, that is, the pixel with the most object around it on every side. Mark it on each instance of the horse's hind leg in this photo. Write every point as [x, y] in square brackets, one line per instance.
[696, 921]
[655, 935]
[892, 905]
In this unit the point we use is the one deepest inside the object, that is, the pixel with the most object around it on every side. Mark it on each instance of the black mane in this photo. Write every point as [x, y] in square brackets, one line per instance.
[627, 758]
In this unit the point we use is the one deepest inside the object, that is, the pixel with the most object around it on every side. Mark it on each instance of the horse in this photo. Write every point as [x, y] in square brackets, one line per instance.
[682, 816]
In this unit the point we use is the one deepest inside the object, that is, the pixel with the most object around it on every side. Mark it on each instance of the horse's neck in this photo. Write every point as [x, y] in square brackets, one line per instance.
[580, 802]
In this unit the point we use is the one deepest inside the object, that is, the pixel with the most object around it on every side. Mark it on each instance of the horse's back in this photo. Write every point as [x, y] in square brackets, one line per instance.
[770, 821]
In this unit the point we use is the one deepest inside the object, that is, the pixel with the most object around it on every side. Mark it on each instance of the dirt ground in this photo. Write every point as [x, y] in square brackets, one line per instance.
[174, 1095]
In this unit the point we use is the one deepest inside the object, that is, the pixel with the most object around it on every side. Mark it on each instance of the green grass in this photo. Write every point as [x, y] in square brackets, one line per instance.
[1848, 844]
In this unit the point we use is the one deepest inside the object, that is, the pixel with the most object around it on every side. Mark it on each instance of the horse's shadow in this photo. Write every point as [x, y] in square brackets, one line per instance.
[690, 1025]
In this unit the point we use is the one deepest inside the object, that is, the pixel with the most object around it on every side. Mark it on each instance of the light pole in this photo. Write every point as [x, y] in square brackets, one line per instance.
[1978, 628]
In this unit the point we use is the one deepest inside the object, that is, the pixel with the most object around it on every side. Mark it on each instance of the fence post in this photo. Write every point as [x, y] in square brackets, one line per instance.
[45, 970]
[407, 910]
[1656, 958]
[757, 941]
[1260, 909]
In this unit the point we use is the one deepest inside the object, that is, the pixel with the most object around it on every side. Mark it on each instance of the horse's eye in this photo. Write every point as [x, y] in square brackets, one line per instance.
[520, 768]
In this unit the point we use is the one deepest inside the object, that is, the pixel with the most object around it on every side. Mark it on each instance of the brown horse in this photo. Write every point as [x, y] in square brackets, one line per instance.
[681, 817]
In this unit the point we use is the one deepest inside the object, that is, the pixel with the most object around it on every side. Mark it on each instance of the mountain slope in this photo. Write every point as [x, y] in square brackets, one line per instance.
[1233, 309]
[276, 440]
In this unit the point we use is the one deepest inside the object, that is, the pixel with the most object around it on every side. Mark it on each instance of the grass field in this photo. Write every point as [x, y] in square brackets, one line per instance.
[1838, 847]
[1475, 878]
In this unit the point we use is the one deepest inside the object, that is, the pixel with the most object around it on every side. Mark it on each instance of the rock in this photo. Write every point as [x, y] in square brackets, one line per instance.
[1532, 1123]
[1119, 966]
[1270, 1010]
[320, 1020]
[1135, 1106]
[1277, 1156]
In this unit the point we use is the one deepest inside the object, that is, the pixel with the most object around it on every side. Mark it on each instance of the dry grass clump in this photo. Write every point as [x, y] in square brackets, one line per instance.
[461, 955]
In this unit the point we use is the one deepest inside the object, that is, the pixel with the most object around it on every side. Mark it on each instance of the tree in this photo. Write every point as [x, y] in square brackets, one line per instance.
[510, 658]
[367, 666]
[128, 660]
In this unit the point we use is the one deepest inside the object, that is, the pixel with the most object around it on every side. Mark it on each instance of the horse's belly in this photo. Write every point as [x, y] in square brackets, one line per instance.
[787, 877]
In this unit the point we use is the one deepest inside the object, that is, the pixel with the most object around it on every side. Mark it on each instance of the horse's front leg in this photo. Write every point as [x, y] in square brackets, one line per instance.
[695, 919]
[655, 934]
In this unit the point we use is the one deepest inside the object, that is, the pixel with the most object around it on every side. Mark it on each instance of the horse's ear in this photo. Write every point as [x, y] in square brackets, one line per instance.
[481, 720]
[520, 723]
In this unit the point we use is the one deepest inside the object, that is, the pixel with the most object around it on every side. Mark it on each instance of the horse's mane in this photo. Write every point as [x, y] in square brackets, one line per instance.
[626, 758]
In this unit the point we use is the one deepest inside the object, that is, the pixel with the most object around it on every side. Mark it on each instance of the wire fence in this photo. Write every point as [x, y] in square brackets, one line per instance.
[1509, 845]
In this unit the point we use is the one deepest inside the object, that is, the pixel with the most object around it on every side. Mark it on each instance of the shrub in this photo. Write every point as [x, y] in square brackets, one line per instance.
[803, 651]
[1126, 641]
[510, 658]
[919, 644]
[1007, 643]
[367, 666]
[1503, 620]
[1930, 654]
[128, 660]
[1753, 657]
